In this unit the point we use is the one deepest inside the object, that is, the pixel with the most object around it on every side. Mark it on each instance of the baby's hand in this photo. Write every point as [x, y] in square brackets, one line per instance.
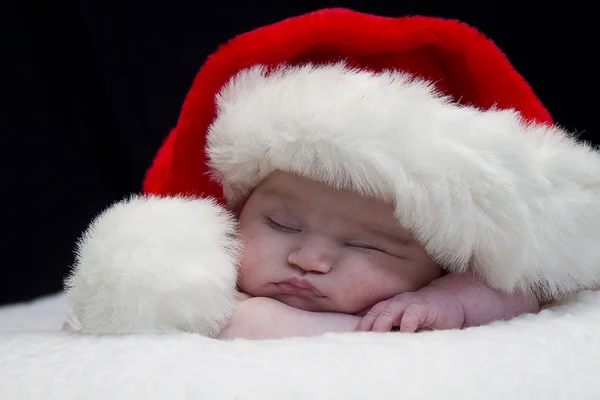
[429, 308]
[453, 301]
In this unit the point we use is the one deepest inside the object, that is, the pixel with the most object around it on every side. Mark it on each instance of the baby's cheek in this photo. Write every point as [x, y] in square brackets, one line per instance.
[249, 267]
[361, 292]
[259, 263]
[373, 283]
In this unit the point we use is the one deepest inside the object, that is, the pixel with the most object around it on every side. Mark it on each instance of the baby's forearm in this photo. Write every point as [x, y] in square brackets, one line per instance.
[265, 318]
[482, 304]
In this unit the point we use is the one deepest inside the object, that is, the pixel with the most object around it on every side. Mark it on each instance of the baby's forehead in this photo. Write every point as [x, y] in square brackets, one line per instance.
[297, 187]
[311, 193]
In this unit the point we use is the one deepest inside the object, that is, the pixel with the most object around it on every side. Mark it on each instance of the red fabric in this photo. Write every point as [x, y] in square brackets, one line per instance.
[462, 62]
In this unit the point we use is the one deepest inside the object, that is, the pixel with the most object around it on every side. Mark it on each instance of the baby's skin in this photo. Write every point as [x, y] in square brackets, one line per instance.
[319, 260]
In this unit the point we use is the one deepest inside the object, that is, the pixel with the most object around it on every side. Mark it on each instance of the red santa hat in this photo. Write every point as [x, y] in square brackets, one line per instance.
[424, 113]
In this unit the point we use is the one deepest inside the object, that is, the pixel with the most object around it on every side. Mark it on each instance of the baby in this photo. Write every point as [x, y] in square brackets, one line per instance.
[330, 256]
[340, 171]
[319, 260]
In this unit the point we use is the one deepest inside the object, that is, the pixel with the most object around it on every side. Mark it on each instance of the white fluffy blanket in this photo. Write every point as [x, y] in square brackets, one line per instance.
[554, 355]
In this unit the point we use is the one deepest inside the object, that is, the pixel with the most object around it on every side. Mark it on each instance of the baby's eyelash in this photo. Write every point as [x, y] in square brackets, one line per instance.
[365, 246]
[283, 228]
[280, 227]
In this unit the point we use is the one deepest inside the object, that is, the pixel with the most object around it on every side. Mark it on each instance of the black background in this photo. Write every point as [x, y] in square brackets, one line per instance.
[93, 87]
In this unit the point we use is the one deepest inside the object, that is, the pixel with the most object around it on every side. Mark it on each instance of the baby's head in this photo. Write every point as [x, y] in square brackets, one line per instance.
[321, 249]
[423, 114]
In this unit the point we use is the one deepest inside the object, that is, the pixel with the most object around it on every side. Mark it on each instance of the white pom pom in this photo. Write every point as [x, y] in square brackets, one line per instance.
[151, 264]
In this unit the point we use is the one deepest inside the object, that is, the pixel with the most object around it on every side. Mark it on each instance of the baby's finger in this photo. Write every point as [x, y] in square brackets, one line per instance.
[389, 316]
[366, 323]
[414, 317]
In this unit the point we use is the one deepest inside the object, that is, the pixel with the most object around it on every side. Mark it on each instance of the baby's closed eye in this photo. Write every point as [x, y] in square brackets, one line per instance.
[365, 246]
[281, 227]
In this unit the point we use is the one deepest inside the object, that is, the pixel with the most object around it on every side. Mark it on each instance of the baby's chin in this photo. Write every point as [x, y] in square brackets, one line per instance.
[320, 304]
[301, 303]
[313, 305]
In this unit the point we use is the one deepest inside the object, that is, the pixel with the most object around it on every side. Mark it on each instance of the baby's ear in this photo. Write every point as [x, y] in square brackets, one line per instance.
[152, 264]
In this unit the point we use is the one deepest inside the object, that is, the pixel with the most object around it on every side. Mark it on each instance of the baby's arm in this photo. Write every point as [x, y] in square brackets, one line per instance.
[452, 302]
[482, 304]
[265, 318]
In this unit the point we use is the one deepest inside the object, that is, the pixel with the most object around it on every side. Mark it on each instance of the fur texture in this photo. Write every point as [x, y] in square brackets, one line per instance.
[553, 355]
[156, 265]
[461, 61]
[518, 203]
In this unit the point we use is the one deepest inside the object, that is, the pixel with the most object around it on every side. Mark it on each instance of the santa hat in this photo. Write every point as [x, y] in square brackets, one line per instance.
[425, 113]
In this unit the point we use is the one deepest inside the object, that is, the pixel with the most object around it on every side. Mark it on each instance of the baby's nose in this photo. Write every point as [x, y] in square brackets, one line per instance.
[314, 255]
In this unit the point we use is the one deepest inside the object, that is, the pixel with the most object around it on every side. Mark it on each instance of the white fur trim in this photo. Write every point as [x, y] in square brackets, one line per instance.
[517, 203]
[153, 264]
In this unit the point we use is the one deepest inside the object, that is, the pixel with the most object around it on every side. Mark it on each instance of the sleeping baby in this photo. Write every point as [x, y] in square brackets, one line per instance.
[316, 260]
[340, 172]
[319, 260]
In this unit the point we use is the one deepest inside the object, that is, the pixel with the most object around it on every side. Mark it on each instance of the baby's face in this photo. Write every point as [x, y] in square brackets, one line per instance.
[318, 249]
